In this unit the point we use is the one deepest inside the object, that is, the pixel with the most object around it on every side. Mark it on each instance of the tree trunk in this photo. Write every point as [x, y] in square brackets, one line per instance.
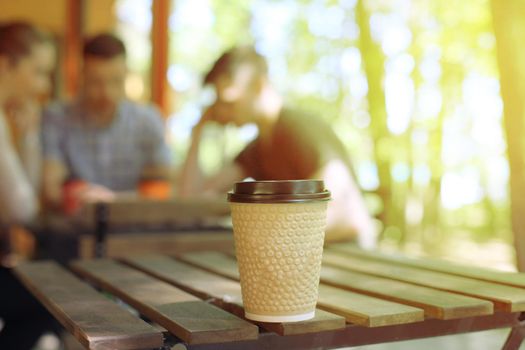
[373, 63]
[509, 27]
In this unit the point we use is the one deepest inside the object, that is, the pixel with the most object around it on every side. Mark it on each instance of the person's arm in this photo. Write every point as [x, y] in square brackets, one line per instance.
[18, 202]
[24, 121]
[347, 215]
[31, 156]
[223, 181]
[193, 183]
[192, 180]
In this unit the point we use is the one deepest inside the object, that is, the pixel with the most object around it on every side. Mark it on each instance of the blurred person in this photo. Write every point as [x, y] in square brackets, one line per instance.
[101, 142]
[26, 60]
[290, 145]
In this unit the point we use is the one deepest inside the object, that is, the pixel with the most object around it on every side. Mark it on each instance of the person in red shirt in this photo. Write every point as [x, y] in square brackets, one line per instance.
[291, 144]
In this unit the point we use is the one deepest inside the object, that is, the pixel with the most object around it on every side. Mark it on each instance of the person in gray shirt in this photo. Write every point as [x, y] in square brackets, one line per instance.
[101, 138]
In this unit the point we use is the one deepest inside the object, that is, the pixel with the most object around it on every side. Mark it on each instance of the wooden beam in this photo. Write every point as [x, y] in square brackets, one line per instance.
[160, 46]
[74, 33]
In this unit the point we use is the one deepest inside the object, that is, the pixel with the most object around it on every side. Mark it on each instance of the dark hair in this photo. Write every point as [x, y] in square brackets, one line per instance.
[104, 46]
[18, 38]
[232, 59]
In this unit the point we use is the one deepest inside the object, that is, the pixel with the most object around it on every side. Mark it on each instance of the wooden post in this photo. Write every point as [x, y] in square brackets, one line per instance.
[74, 33]
[160, 44]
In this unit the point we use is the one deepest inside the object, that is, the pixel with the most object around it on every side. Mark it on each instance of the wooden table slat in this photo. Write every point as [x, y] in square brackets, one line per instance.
[95, 321]
[356, 308]
[365, 310]
[215, 262]
[516, 279]
[436, 303]
[208, 285]
[181, 313]
[505, 298]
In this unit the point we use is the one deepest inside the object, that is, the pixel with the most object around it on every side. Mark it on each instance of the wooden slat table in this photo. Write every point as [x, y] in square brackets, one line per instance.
[194, 301]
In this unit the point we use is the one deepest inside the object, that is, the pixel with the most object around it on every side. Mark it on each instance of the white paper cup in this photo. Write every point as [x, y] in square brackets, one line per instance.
[279, 234]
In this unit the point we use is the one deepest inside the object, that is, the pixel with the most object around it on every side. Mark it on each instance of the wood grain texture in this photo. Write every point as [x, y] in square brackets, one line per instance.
[505, 298]
[184, 315]
[437, 304]
[365, 310]
[212, 261]
[356, 308]
[225, 291]
[490, 275]
[95, 321]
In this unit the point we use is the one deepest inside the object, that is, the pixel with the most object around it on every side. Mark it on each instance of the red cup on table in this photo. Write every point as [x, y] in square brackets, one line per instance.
[159, 189]
[71, 195]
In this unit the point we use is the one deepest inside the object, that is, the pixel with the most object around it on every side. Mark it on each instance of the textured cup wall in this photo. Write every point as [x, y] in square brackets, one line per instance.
[279, 250]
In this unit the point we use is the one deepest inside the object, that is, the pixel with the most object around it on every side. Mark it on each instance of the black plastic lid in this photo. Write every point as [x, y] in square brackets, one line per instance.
[282, 191]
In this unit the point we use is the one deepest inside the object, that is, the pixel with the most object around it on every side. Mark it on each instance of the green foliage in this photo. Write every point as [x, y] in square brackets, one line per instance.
[407, 84]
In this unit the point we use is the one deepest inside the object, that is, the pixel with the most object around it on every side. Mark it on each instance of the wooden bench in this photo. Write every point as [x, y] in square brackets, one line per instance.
[193, 301]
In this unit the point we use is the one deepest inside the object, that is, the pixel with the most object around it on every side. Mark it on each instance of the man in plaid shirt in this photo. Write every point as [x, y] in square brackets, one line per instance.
[102, 139]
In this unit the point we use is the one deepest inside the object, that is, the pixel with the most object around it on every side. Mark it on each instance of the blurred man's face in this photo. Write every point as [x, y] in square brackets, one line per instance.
[237, 97]
[30, 76]
[104, 83]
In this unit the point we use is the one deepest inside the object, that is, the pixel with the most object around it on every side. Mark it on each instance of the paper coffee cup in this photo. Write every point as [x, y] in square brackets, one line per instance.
[279, 234]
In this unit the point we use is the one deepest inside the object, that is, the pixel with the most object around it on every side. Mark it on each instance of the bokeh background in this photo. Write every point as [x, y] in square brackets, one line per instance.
[427, 95]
